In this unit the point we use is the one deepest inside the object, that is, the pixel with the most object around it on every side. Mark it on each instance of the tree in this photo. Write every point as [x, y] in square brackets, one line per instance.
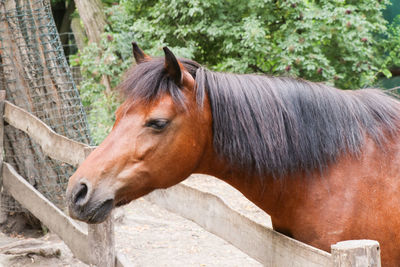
[94, 20]
[317, 40]
[336, 42]
[35, 76]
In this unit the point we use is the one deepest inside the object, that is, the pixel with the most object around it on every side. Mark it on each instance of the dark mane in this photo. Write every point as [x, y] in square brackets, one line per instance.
[149, 80]
[276, 125]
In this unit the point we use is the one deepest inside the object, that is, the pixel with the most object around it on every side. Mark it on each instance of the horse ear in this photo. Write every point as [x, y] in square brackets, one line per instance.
[138, 53]
[172, 66]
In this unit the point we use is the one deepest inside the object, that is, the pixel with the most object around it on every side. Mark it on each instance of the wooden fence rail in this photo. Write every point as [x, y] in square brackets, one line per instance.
[259, 242]
[92, 246]
[54, 145]
[210, 212]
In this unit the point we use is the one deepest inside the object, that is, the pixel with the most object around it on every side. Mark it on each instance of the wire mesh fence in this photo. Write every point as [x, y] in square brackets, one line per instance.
[71, 48]
[36, 76]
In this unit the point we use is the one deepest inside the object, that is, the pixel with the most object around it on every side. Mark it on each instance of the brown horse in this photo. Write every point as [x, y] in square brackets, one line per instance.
[323, 163]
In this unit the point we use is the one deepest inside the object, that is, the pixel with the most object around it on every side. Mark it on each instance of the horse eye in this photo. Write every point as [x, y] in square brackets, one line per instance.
[157, 124]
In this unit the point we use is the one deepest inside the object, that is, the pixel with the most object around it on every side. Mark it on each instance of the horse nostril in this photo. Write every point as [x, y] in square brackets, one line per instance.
[81, 193]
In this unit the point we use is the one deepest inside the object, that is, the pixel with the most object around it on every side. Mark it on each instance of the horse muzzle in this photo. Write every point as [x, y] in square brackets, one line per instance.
[86, 204]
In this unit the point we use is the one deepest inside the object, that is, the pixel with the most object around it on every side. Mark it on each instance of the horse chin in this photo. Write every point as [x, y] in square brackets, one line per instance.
[102, 212]
[93, 214]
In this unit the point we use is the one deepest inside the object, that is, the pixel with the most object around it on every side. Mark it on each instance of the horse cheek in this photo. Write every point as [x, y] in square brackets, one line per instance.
[144, 148]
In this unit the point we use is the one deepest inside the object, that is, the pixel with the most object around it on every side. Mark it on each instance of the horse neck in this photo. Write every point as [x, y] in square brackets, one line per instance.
[265, 192]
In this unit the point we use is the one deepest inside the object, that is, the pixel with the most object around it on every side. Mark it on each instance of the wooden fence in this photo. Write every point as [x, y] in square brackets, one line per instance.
[96, 245]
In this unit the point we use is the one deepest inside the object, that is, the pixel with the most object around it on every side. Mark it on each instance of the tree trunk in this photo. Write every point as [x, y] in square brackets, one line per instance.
[94, 20]
[36, 77]
[79, 33]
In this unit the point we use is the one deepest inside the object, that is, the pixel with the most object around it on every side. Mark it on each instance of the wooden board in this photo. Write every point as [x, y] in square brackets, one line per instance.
[101, 242]
[2, 99]
[46, 212]
[67, 229]
[356, 253]
[261, 243]
[54, 145]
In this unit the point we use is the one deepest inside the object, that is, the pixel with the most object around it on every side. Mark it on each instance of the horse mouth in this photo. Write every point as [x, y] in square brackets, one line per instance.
[93, 214]
[101, 212]
[121, 202]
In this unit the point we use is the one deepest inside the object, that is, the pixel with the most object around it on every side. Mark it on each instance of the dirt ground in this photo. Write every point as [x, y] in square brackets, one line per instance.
[151, 236]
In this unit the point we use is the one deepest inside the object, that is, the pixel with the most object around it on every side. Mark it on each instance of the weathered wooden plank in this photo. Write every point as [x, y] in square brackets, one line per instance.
[356, 253]
[54, 145]
[47, 212]
[261, 243]
[101, 243]
[101, 236]
[31, 246]
[59, 223]
[2, 99]
[3, 214]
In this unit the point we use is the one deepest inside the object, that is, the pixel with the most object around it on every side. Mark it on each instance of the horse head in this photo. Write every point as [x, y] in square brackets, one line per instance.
[160, 136]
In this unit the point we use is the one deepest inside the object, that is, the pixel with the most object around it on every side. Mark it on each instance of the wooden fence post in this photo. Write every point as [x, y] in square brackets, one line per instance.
[3, 216]
[2, 98]
[101, 238]
[101, 243]
[356, 253]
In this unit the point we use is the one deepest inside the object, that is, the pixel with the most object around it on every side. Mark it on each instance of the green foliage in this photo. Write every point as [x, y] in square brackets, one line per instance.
[337, 42]
[95, 63]
[391, 46]
[331, 41]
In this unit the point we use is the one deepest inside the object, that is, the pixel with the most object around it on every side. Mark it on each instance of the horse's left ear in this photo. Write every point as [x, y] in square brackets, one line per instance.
[172, 66]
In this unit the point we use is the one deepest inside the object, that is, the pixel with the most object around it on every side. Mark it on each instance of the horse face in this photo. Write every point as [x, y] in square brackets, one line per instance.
[151, 146]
